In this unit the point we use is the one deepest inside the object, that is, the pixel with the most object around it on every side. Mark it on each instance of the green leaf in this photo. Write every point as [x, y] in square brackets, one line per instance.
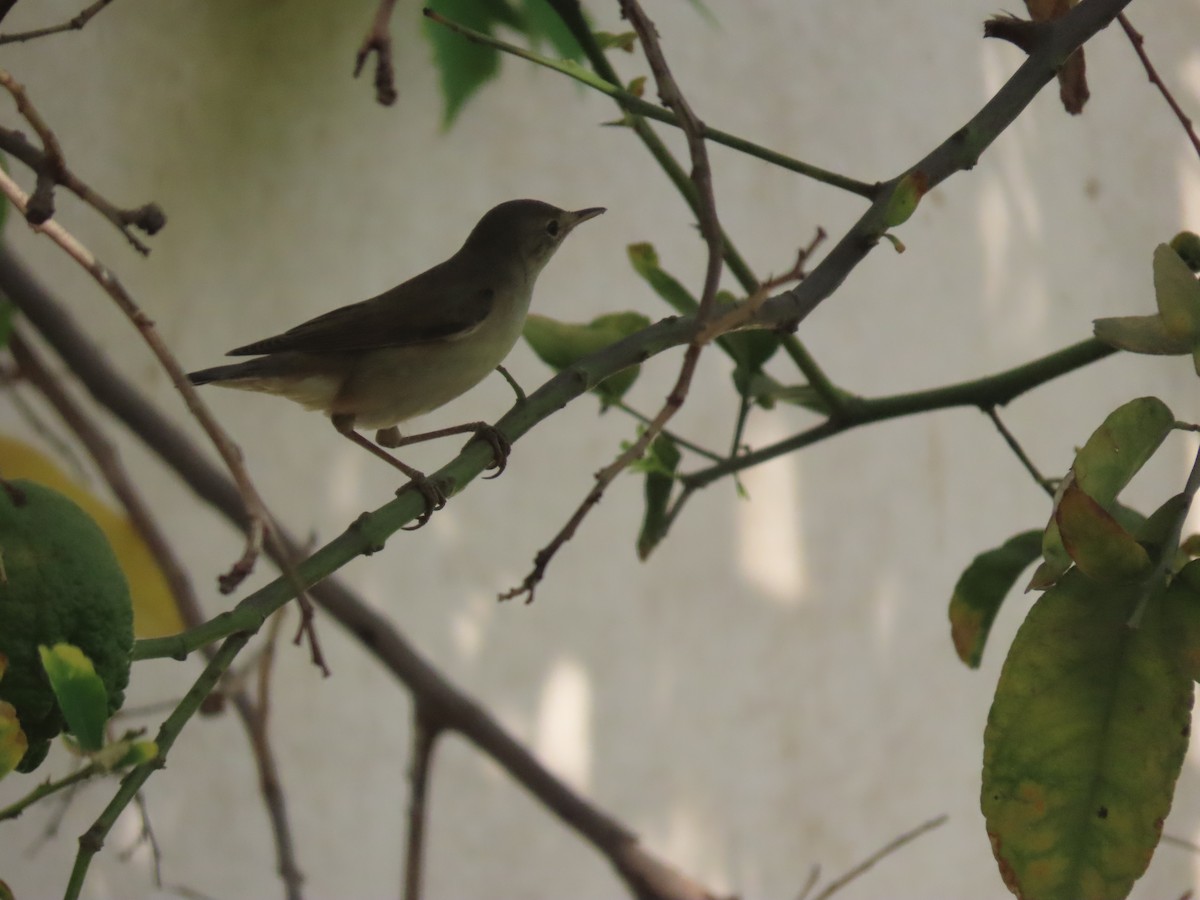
[1140, 334]
[80, 692]
[561, 344]
[660, 465]
[645, 262]
[749, 349]
[541, 21]
[1177, 294]
[1119, 448]
[981, 589]
[1162, 527]
[766, 392]
[125, 753]
[1183, 615]
[464, 66]
[13, 742]
[1084, 743]
[1114, 453]
[607, 40]
[1187, 245]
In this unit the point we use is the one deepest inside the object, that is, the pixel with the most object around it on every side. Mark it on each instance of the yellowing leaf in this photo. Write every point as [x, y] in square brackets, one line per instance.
[1084, 742]
[154, 610]
[981, 589]
[13, 742]
[81, 694]
[1100, 547]
[1141, 334]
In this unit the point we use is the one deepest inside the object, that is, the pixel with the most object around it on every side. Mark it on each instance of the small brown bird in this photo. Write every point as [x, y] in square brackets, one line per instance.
[417, 346]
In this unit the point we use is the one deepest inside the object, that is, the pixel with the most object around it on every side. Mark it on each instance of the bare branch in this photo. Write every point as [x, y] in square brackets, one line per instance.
[710, 228]
[891, 847]
[75, 23]
[51, 169]
[255, 509]
[424, 738]
[1139, 42]
[378, 40]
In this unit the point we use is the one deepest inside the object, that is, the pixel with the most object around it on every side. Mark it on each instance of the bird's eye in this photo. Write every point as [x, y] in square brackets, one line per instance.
[552, 228]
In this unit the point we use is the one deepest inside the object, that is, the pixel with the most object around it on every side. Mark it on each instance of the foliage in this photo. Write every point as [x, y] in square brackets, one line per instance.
[62, 584]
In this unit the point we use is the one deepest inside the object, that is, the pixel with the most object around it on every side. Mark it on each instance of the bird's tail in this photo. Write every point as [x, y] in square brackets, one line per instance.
[219, 373]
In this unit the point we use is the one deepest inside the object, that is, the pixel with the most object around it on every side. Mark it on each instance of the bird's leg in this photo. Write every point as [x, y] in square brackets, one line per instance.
[512, 383]
[390, 437]
[434, 498]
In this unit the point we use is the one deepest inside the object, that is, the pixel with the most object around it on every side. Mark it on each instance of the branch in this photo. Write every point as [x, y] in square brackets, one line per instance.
[75, 23]
[424, 738]
[255, 509]
[984, 393]
[51, 169]
[1138, 42]
[378, 40]
[710, 228]
[634, 104]
[647, 875]
[572, 16]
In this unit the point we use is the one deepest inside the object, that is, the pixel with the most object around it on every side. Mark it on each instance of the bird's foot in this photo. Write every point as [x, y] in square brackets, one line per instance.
[434, 498]
[501, 447]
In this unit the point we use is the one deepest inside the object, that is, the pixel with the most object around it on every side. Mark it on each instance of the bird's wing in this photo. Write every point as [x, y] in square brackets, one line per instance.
[411, 313]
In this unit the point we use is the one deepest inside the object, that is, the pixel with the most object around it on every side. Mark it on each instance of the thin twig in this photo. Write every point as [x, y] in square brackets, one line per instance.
[710, 229]
[51, 169]
[678, 439]
[1018, 450]
[147, 836]
[424, 738]
[571, 13]
[1138, 42]
[47, 788]
[891, 847]
[635, 105]
[75, 23]
[255, 509]
[740, 314]
[378, 40]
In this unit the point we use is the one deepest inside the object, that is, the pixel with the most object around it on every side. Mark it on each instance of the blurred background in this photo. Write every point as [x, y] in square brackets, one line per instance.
[775, 688]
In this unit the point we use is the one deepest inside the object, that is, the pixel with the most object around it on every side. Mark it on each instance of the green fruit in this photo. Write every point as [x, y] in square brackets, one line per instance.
[60, 582]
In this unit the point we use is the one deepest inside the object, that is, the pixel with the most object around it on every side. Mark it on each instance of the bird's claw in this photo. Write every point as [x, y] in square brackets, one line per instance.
[432, 495]
[501, 447]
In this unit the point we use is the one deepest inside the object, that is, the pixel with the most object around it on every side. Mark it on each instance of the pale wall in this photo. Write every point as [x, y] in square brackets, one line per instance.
[775, 688]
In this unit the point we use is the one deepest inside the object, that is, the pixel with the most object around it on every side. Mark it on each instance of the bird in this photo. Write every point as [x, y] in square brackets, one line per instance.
[380, 362]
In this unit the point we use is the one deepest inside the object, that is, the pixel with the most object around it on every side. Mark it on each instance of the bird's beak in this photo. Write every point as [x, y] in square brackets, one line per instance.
[582, 215]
